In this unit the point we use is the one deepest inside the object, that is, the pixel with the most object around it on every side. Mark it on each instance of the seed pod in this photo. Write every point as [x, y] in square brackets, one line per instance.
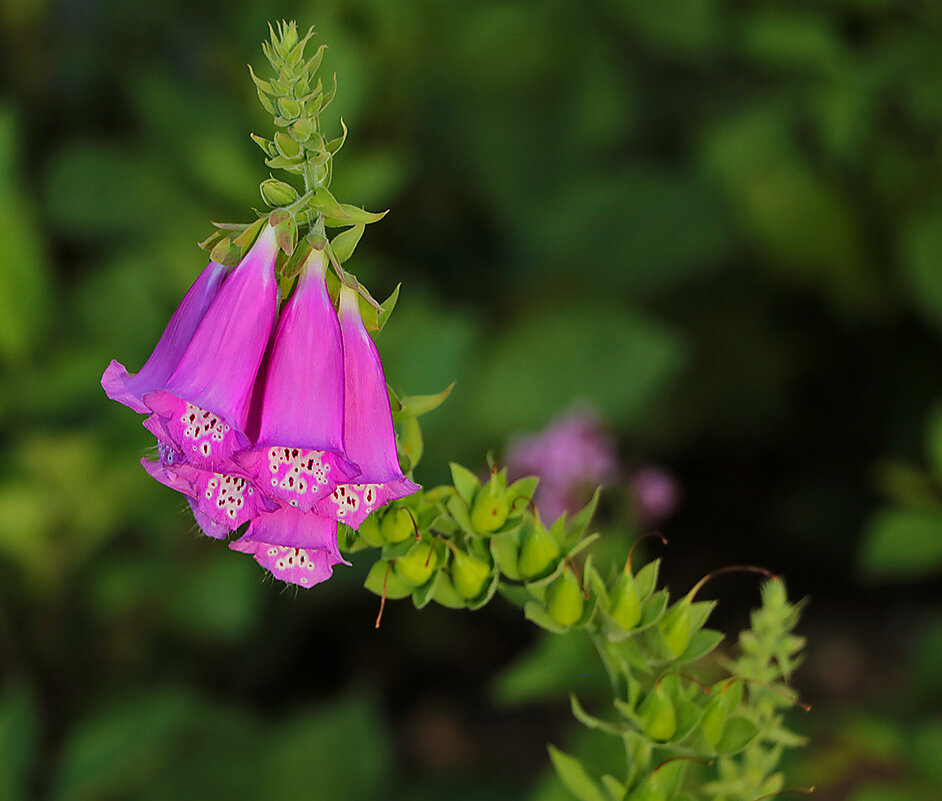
[538, 555]
[396, 526]
[626, 603]
[369, 532]
[469, 575]
[658, 716]
[675, 626]
[565, 600]
[417, 566]
[490, 510]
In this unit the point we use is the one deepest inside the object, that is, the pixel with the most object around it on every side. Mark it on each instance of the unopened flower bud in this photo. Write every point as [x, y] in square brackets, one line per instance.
[565, 600]
[658, 716]
[289, 107]
[417, 566]
[469, 575]
[277, 193]
[490, 510]
[396, 526]
[539, 553]
[287, 146]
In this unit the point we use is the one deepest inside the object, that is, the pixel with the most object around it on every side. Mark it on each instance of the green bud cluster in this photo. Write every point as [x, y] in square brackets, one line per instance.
[460, 544]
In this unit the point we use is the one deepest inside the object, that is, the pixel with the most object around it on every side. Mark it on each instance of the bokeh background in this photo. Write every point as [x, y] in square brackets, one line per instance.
[716, 223]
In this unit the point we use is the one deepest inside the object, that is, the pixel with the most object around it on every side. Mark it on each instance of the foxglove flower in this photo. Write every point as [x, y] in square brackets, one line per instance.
[368, 434]
[299, 457]
[130, 389]
[202, 408]
[295, 546]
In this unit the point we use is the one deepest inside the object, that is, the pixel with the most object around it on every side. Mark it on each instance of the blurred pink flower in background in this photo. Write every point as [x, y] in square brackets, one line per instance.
[571, 456]
[655, 493]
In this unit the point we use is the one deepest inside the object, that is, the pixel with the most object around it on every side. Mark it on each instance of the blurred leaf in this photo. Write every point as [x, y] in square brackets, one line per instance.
[217, 598]
[920, 262]
[554, 667]
[24, 272]
[792, 40]
[902, 543]
[122, 747]
[336, 752]
[18, 739]
[678, 27]
[614, 357]
[574, 776]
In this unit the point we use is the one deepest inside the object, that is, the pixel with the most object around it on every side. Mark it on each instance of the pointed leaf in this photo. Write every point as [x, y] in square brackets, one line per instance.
[466, 483]
[346, 241]
[388, 305]
[417, 405]
[327, 205]
[574, 776]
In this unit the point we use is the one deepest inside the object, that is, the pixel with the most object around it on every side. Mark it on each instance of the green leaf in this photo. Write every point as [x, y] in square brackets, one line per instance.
[536, 612]
[580, 521]
[902, 543]
[409, 442]
[338, 752]
[738, 732]
[346, 214]
[327, 205]
[505, 549]
[575, 777]
[345, 242]
[646, 579]
[934, 441]
[122, 747]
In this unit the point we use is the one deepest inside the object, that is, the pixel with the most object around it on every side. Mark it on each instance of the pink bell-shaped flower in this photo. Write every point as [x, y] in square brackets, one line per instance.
[295, 546]
[299, 456]
[203, 406]
[368, 435]
[130, 389]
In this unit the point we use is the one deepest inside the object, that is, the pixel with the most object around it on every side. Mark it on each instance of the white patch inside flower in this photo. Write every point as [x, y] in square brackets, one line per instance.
[296, 468]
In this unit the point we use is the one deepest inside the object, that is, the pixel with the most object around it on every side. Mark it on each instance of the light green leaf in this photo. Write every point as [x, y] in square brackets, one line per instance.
[575, 777]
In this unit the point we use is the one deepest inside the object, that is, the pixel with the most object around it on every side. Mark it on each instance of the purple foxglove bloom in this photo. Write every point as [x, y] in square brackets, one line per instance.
[295, 546]
[203, 406]
[368, 433]
[299, 456]
[656, 495]
[221, 502]
[130, 389]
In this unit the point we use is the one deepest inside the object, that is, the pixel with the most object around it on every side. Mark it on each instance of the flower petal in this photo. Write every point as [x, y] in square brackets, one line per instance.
[216, 374]
[352, 503]
[130, 389]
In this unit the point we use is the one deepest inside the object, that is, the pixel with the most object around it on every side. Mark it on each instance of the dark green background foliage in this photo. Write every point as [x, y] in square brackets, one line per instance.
[718, 222]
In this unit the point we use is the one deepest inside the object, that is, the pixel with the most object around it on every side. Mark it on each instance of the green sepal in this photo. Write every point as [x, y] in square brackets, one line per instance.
[226, 252]
[281, 163]
[580, 521]
[346, 241]
[302, 129]
[505, 549]
[538, 585]
[466, 483]
[459, 512]
[388, 305]
[267, 146]
[646, 578]
[212, 240]
[334, 145]
[614, 787]
[738, 732]
[395, 588]
[443, 593]
[701, 644]
[514, 594]
[535, 612]
[286, 229]
[409, 444]
[249, 235]
[574, 776]
[417, 405]
[521, 488]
